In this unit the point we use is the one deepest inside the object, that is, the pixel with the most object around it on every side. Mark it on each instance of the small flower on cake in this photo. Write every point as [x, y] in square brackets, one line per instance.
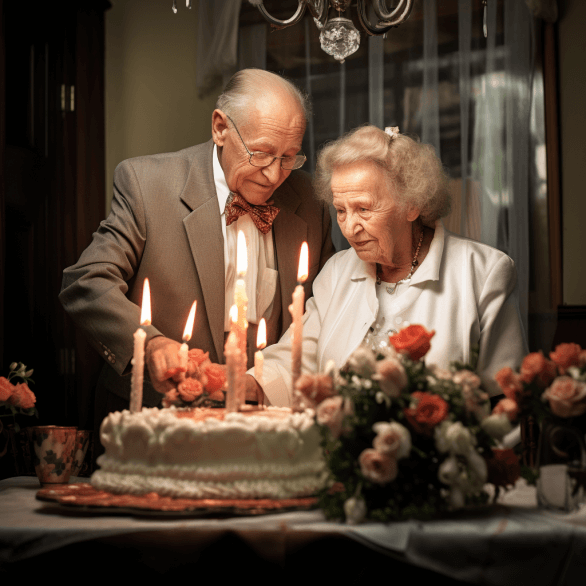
[203, 383]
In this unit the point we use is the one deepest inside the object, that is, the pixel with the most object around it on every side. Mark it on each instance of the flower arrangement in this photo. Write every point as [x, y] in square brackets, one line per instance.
[203, 385]
[403, 440]
[17, 398]
[554, 387]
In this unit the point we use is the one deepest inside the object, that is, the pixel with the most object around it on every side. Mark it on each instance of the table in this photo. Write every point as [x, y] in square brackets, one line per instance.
[512, 542]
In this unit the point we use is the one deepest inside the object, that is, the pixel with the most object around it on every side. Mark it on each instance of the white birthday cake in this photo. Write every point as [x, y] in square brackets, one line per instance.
[209, 453]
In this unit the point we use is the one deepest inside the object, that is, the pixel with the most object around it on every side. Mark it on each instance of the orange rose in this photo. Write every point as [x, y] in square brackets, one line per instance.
[503, 467]
[216, 376]
[6, 389]
[25, 398]
[508, 407]
[198, 356]
[566, 396]
[510, 383]
[413, 341]
[566, 355]
[429, 411]
[190, 389]
[537, 366]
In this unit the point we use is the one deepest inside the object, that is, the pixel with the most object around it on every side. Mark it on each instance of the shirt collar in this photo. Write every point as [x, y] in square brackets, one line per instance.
[222, 189]
[430, 267]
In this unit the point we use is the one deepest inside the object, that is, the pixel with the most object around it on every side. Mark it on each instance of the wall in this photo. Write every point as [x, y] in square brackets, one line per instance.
[572, 81]
[151, 98]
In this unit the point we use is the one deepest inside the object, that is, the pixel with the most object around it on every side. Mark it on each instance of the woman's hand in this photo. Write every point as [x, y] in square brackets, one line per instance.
[254, 391]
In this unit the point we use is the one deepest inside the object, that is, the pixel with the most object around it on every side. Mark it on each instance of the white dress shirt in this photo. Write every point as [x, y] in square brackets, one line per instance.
[261, 276]
[464, 290]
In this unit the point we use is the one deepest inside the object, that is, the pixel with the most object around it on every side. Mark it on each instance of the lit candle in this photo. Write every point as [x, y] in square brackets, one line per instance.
[261, 342]
[296, 309]
[232, 353]
[187, 332]
[138, 356]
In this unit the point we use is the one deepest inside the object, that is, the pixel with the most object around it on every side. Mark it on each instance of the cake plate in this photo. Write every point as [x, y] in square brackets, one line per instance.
[85, 498]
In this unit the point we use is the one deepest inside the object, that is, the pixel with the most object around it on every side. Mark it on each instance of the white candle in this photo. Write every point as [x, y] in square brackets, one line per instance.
[241, 302]
[138, 355]
[232, 354]
[261, 342]
[187, 332]
[296, 309]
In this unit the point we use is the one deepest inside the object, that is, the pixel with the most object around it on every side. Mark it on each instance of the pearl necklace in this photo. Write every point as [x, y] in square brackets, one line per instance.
[414, 264]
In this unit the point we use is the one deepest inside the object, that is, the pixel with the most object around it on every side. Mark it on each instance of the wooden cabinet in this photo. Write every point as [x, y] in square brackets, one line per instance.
[51, 191]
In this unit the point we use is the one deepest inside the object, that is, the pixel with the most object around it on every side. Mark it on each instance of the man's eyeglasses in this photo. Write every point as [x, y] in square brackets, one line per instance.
[260, 159]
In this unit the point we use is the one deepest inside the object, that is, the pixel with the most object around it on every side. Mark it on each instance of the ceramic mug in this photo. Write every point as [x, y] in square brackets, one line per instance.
[82, 441]
[53, 450]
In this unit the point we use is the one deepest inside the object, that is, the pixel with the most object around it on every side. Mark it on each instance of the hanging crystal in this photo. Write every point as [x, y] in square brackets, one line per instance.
[339, 38]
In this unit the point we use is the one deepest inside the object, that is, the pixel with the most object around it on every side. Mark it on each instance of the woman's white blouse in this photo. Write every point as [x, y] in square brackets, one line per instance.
[464, 290]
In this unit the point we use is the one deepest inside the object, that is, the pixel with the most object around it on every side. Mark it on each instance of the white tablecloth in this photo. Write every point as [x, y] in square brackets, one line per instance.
[512, 542]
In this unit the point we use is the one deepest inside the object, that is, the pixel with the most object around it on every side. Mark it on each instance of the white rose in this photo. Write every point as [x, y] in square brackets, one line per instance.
[354, 510]
[453, 437]
[362, 362]
[392, 438]
[497, 426]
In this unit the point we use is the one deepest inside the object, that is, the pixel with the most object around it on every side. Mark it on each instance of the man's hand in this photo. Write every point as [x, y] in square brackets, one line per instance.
[254, 391]
[162, 359]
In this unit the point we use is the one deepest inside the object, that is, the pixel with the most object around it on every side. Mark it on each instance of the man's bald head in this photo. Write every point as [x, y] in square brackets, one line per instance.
[246, 88]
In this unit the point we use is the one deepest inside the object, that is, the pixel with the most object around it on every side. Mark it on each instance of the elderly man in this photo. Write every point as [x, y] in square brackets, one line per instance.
[175, 218]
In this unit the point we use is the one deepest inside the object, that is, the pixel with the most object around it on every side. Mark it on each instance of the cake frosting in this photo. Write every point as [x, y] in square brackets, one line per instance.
[209, 453]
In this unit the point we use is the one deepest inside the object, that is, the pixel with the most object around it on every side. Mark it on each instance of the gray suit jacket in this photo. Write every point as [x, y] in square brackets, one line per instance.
[165, 225]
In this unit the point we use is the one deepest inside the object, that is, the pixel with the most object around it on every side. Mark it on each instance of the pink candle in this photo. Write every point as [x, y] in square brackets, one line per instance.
[138, 355]
[232, 354]
[296, 309]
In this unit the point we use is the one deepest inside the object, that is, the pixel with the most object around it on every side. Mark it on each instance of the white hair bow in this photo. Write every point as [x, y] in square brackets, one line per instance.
[392, 131]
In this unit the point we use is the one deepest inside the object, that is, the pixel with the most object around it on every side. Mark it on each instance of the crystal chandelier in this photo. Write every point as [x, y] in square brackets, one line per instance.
[338, 35]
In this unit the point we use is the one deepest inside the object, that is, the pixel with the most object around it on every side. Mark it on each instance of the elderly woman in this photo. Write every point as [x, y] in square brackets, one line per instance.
[389, 193]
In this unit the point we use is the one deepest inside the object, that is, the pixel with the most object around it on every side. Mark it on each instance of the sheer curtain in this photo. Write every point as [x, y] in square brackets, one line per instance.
[478, 100]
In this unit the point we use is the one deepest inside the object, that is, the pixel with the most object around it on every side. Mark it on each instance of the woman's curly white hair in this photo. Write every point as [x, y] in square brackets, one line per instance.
[415, 175]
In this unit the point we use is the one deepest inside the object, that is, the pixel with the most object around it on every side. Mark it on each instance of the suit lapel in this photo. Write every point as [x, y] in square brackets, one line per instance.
[204, 232]
[289, 231]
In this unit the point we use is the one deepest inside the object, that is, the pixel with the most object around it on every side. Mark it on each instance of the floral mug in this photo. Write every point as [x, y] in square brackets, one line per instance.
[53, 449]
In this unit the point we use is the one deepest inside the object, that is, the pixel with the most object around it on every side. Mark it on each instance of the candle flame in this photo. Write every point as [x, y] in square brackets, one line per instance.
[241, 255]
[234, 314]
[145, 312]
[189, 324]
[261, 334]
[303, 271]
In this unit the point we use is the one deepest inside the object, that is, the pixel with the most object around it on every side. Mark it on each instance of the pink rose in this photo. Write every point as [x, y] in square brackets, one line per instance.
[315, 387]
[508, 407]
[330, 413]
[566, 396]
[377, 467]
[392, 439]
[391, 376]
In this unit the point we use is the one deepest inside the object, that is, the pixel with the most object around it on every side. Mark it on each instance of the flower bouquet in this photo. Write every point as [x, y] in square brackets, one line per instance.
[551, 392]
[202, 386]
[17, 398]
[401, 439]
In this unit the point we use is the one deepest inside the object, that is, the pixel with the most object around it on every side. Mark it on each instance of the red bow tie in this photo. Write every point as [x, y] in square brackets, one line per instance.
[263, 216]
